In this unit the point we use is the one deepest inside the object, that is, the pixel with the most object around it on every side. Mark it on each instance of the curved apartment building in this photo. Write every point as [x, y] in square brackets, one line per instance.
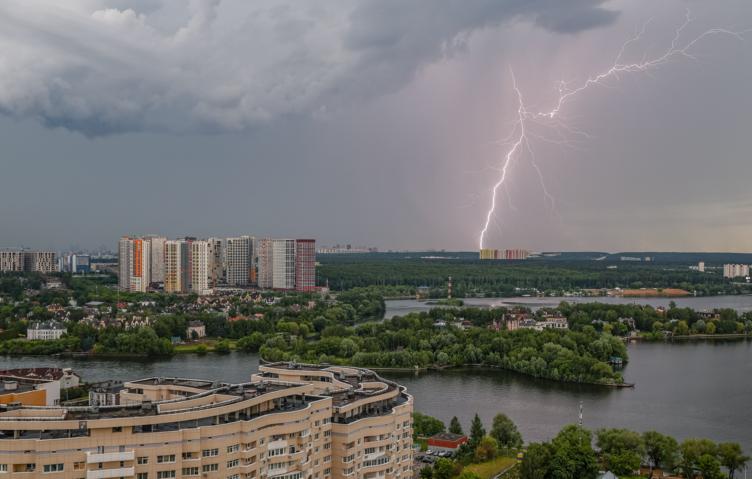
[289, 422]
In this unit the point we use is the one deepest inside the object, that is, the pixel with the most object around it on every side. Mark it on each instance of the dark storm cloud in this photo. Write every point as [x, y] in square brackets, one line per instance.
[101, 67]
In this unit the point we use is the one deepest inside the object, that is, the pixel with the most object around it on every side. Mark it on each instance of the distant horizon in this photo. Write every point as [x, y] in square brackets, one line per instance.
[339, 122]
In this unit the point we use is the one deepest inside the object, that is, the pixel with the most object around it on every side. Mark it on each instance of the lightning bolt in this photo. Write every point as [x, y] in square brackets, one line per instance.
[519, 138]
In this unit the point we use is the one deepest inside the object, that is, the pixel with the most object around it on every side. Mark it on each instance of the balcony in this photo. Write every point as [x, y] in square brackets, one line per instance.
[109, 473]
[95, 457]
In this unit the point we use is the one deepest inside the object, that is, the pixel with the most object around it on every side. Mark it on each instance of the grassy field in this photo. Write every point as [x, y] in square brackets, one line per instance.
[487, 470]
[194, 346]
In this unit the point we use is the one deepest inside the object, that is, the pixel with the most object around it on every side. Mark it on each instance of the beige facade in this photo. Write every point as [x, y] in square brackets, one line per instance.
[32, 261]
[289, 422]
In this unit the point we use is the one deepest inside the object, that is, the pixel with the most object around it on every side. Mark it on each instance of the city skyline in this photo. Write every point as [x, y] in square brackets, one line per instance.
[367, 131]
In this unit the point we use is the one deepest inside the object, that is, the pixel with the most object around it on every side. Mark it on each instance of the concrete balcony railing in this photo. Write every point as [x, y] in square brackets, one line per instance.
[109, 473]
[95, 457]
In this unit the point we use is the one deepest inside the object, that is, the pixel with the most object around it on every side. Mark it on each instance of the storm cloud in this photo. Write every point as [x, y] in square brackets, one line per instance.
[101, 67]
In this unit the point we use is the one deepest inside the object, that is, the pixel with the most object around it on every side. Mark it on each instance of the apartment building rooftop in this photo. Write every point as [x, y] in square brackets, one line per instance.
[202, 398]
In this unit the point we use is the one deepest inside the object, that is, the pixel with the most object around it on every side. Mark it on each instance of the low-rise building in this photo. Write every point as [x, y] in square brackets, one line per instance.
[446, 441]
[45, 330]
[35, 386]
[195, 330]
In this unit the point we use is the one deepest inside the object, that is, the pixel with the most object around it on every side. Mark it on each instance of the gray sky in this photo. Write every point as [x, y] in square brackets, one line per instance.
[373, 122]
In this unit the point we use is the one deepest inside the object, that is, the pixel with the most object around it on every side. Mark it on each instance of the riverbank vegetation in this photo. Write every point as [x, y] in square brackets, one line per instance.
[656, 323]
[419, 340]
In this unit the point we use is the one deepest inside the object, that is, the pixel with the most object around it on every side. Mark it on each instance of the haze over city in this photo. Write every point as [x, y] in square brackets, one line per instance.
[369, 122]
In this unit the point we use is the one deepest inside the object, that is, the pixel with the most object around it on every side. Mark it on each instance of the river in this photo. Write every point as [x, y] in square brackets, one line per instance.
[741, 303]
[693, 389]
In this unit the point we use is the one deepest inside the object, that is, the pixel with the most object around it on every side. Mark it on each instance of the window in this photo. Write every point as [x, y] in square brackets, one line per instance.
[143, 460]
[78, 466]
[234, 476]
[233, 463]
[53, 468]
[276, 452]
[117, 429]
[187, 456]
[277, 465]
[190, 471]
[209, 467]
[166, 458]
[233, 448]
[166, 474]
[210, 452]
[327, 471]
[142, 475]
[3, 468]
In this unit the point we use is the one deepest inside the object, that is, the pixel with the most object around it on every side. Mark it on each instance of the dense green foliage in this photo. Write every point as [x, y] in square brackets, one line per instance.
[570, 454]
[417, 341]
[426, 426]
[674, 320]
[472, 277]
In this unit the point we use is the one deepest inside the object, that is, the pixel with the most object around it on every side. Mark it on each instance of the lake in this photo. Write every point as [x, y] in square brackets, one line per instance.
[741, 303]
[689, 389]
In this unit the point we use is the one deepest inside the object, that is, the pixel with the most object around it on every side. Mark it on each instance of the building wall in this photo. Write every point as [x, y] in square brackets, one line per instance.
[283, 264]
[124, 263]
[139, 265]
[238, 258]
[173, 281]
[36, 397]
[11, 261]
[265, 276]
[157, 258]
[216, 262]
[200, 267]
[305, 265]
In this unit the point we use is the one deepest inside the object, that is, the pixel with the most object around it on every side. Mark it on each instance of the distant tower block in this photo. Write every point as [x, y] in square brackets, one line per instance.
[449, 288]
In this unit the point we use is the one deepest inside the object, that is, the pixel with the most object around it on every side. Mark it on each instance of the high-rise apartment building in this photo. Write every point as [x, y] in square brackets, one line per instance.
[239, 260]
[157, 258]
[134, 264]
[177, 266]
[283, 264]
[200, 267]
[305, 264]
[216, 262]
[124, 263]
[140, 265]
[40, 261]
[291, 421]
[11, 260]
[264, 263]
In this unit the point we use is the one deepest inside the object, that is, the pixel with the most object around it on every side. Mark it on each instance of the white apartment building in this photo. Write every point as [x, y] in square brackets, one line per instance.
[45, 330]
[200, 267]
[283, 263]
[239, 260]
[735, 270]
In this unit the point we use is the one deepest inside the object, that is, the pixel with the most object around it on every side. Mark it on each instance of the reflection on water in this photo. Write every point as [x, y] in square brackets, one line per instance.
[698, 389]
